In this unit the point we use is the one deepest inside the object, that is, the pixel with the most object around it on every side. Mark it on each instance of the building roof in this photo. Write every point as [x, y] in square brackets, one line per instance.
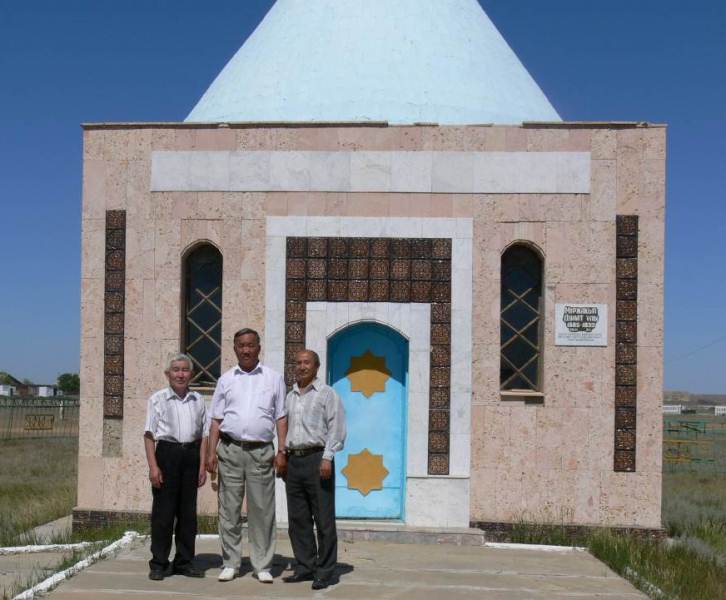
[404, 62]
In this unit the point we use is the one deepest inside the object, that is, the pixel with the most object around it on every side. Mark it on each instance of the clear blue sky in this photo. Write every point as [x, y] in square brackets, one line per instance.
[64, 63]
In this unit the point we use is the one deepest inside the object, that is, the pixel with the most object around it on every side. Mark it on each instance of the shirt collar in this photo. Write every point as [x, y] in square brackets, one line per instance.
[314, 384]
[239, 371]
[172, 394]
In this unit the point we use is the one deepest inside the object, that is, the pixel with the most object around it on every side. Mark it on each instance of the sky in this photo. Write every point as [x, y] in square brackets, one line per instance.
[78, 61]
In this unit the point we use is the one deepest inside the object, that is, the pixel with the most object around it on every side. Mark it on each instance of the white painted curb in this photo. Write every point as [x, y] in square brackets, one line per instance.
[43, 548]
[54, 580]
[540, 547]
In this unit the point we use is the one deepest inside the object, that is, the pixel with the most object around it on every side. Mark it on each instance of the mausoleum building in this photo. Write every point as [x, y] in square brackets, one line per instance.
[385, 183]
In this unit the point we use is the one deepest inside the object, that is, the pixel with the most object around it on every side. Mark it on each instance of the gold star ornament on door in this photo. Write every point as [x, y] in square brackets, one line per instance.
[368, 374]
[365, 472]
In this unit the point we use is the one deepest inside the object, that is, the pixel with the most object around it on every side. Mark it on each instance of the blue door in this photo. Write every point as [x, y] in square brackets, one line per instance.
[368, 367]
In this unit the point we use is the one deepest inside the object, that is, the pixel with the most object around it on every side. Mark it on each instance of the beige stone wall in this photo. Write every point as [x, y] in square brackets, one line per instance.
[551, 461]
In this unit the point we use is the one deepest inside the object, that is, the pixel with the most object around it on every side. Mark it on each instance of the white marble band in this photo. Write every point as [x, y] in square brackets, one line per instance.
[363, 171]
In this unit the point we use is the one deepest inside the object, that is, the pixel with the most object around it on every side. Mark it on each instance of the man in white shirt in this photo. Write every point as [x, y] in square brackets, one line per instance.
[316, 422]
[247, 408]
[175, 451]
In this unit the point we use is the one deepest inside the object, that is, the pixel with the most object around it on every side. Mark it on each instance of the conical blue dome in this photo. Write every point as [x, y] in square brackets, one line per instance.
[401, 61]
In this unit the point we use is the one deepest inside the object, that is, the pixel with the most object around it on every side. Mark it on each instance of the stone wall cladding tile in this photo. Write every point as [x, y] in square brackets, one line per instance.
[316, 290]
[625, 461]
[296, 268]
[439, 441]
[295, 289]
[114, 302]
[338, 248]
[626, 339]
[296, 247]
[421, 269]
[626, 224]
[378, 291]
[627, 246]
[295, 311]
[625, 395]
[441, 248]
[626, 268]
[337, 290]
[421, 291]
[440, 312]
[438, 464]
[115, 281]
[380, 248]
[359, 247]
[317, 247]
[440, 355]
[337, 268]
[378, 270]
[440, 333]
[113, 344]
[626, 354]
[400, 291]
[626, 310]
[626, 332]
[438, 420]
[625, 375]
[624, 439]
[113, 406]
[439, 397]
[627, 289]
[113, 365]
[316, 268]
[358, 268]
[400, 248]
[401, 269]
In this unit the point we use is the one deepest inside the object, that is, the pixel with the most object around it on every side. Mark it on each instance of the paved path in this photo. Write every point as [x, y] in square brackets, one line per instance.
[368, 570]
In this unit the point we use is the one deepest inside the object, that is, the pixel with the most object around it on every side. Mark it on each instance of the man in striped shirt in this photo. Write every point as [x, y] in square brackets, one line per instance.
[316, 431]
[175, 451]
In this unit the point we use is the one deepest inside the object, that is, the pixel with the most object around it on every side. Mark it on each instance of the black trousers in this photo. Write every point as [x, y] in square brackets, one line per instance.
[175, 501]
[311, 500]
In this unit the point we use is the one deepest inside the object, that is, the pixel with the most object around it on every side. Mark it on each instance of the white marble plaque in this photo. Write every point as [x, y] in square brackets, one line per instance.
[581, 324]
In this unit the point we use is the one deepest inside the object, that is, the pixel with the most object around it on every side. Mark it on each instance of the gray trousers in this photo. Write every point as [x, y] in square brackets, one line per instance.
[239, 468]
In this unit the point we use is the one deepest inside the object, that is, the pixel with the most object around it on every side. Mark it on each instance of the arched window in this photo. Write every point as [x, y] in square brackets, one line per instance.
[521, 319]
[202, 311]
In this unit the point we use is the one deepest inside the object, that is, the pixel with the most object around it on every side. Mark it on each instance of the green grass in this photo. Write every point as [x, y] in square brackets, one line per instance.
[37, 485]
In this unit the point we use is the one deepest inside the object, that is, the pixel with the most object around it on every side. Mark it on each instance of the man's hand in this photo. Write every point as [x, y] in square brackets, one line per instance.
[281, 465]
[202, 476]
[212, 462]
[156, 477]
[326, 469]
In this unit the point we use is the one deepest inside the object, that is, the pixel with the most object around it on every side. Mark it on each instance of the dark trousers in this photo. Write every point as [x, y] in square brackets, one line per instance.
[311, 500]
[175, 500]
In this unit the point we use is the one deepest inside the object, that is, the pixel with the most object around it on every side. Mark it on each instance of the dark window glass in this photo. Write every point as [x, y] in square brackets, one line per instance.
[203, 313]
[521, 319]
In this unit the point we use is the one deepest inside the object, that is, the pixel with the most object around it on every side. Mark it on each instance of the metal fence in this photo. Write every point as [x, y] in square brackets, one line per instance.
[38, 417]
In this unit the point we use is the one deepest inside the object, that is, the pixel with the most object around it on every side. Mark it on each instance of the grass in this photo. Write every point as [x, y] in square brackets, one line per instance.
[37, 485]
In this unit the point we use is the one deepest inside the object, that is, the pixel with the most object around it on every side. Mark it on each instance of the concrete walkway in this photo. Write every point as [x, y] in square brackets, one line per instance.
[368, 569]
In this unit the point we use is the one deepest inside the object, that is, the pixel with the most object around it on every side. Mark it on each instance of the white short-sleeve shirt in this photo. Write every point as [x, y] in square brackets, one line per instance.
[249, 403]
[175, 419]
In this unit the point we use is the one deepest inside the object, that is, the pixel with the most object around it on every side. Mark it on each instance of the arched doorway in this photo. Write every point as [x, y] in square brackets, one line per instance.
[368, 367]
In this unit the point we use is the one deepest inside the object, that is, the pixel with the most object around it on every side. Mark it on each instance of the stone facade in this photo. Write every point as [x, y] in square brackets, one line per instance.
[585, 451]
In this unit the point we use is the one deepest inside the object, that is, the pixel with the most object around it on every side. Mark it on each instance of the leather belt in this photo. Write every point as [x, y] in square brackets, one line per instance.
[245, 445]
[304, 451]
[185, 445]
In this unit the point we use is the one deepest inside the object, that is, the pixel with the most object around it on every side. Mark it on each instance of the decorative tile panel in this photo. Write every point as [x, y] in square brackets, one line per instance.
[114, 305]
[398, 270]
[626, 339]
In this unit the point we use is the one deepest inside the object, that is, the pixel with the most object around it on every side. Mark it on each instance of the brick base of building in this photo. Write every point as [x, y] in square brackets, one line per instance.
[575, 534]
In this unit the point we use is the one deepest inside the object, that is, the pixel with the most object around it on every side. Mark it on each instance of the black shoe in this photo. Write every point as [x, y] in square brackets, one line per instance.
[320, 584]
[189, 571]
[156, 575]
[298, 577]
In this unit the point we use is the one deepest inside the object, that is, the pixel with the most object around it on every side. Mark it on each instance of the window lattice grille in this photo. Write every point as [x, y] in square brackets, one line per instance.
[203, 313]
[521, 319]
